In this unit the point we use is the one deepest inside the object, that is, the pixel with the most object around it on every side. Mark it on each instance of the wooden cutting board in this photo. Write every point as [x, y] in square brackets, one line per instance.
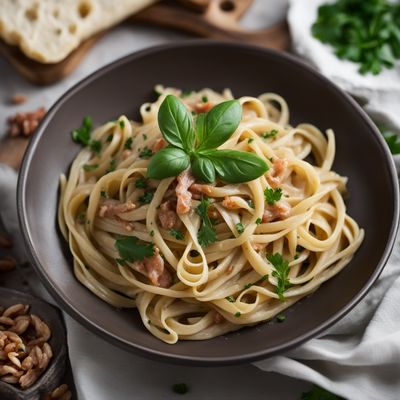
[218, 19]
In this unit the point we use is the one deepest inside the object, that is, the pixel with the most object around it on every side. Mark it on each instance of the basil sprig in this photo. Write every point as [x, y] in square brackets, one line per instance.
[194, 143]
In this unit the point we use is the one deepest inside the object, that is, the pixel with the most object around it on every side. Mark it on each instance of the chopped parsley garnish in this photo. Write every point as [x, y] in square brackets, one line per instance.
[206, 234]
[103, 193]
[177, 234]
[250, 140]
[204, 99]
[365, 32]
[144, 137]
[145, 153]
[240, 228]
[121, 124]
[258, 221]
[391, 138]
[82, 135]
[90, 167]
[128, 143]
[109, 138]
[237, 314]
[231, 299]
[130, 249]
[272, 195]
[270, 134]
[180, 388]
[250, 203]
[264, 277]
[280, 318]
[281, 272]
[248, 285]
[318, 393]
[95, 145]
[113, 164]
[141, 183]
[152, 233]
[146, 198]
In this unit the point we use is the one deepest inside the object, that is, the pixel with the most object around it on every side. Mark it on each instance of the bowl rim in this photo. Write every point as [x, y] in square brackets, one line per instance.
[163, 355]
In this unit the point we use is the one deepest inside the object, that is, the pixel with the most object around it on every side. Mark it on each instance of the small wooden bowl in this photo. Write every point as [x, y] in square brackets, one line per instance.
[50, 379]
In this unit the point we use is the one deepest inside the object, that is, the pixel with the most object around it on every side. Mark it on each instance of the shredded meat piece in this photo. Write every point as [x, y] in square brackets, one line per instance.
[275, 174]
[229, 269]
[218, 318]
[185, 180]
[197, 190]
[278, 211]
[158, 145]
[110, 208]
[201, 107]
[228, 202]
[167, 215]
[156, 271]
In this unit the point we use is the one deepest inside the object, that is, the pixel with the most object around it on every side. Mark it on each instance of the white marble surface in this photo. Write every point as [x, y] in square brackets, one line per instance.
[91, 357]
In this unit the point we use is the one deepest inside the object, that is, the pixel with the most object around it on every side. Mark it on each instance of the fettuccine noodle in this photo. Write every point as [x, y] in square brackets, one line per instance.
[192, 292]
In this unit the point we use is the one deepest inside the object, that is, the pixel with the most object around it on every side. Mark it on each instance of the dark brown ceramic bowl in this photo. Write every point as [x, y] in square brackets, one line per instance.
[120, 88]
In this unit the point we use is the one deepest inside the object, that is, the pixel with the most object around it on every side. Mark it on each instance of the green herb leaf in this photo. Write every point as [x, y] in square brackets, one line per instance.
[203, 169]
[238, 314]
[103, 193]
[90, 167]
[82, 135]
[167, 162]
[206, 234]
[176, 123]
[219, 124]
[281, 272]
[128, 143]
[258, 221]
[180, 388]
[248, 285]
[365, 32]
[141, 183]
[130, 249]
[240, 228]
[95, 145]
[121, 124]
[318, 393]
[231, 299]
[146, 153]
[270, 134]
[280, 318]
[177, 234]
[237, 166]
[391, 138]
[272, 195]
[200, 127]
[204, 99]
[146, 198]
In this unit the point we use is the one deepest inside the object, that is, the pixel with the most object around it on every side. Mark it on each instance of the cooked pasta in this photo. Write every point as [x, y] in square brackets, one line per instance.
[210, 257]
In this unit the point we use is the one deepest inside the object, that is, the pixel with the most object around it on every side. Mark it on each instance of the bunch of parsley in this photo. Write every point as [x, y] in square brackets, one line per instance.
[363, 31]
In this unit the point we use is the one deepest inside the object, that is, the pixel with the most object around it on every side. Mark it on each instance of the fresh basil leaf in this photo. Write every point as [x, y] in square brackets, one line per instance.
[237, 166]
[200, 127]
[167, 162]
[203, 169]
[176, 123]
[219, 124]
